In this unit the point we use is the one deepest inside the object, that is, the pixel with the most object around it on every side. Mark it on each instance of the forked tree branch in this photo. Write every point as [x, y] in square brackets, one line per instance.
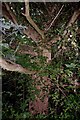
[28, 17]
[30, 32]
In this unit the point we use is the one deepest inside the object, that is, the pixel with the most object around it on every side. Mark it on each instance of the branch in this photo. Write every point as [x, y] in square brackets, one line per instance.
[55, 18]
[27, 15]
[5, 13]
[11, 66]
[74, 17]
[30, 32]
[10, 12]
[72, 20]
[24, 49]
[57, 38]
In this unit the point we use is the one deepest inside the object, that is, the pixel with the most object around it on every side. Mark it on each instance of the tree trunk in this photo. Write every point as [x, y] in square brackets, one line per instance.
[42, 84]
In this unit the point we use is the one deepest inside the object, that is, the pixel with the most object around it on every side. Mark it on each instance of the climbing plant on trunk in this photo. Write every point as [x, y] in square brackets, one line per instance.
[36, 39]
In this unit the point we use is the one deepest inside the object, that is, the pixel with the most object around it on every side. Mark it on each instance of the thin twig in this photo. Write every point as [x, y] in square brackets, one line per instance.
[17, 48]
[55, 18]
[61, 90]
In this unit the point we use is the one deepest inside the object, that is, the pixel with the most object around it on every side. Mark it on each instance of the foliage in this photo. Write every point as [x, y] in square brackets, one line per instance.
[63, 70]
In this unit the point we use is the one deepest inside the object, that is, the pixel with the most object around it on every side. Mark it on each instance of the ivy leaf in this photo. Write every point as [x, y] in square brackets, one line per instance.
[72, 65]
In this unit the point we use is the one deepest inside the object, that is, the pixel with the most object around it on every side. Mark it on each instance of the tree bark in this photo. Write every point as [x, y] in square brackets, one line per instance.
[11, 66]
[41, 102]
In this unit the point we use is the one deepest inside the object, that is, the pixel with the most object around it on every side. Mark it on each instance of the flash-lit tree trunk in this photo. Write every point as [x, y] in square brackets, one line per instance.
[40, 103]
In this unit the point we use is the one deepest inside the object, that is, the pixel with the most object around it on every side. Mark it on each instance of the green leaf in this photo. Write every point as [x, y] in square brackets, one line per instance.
[72, 65]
